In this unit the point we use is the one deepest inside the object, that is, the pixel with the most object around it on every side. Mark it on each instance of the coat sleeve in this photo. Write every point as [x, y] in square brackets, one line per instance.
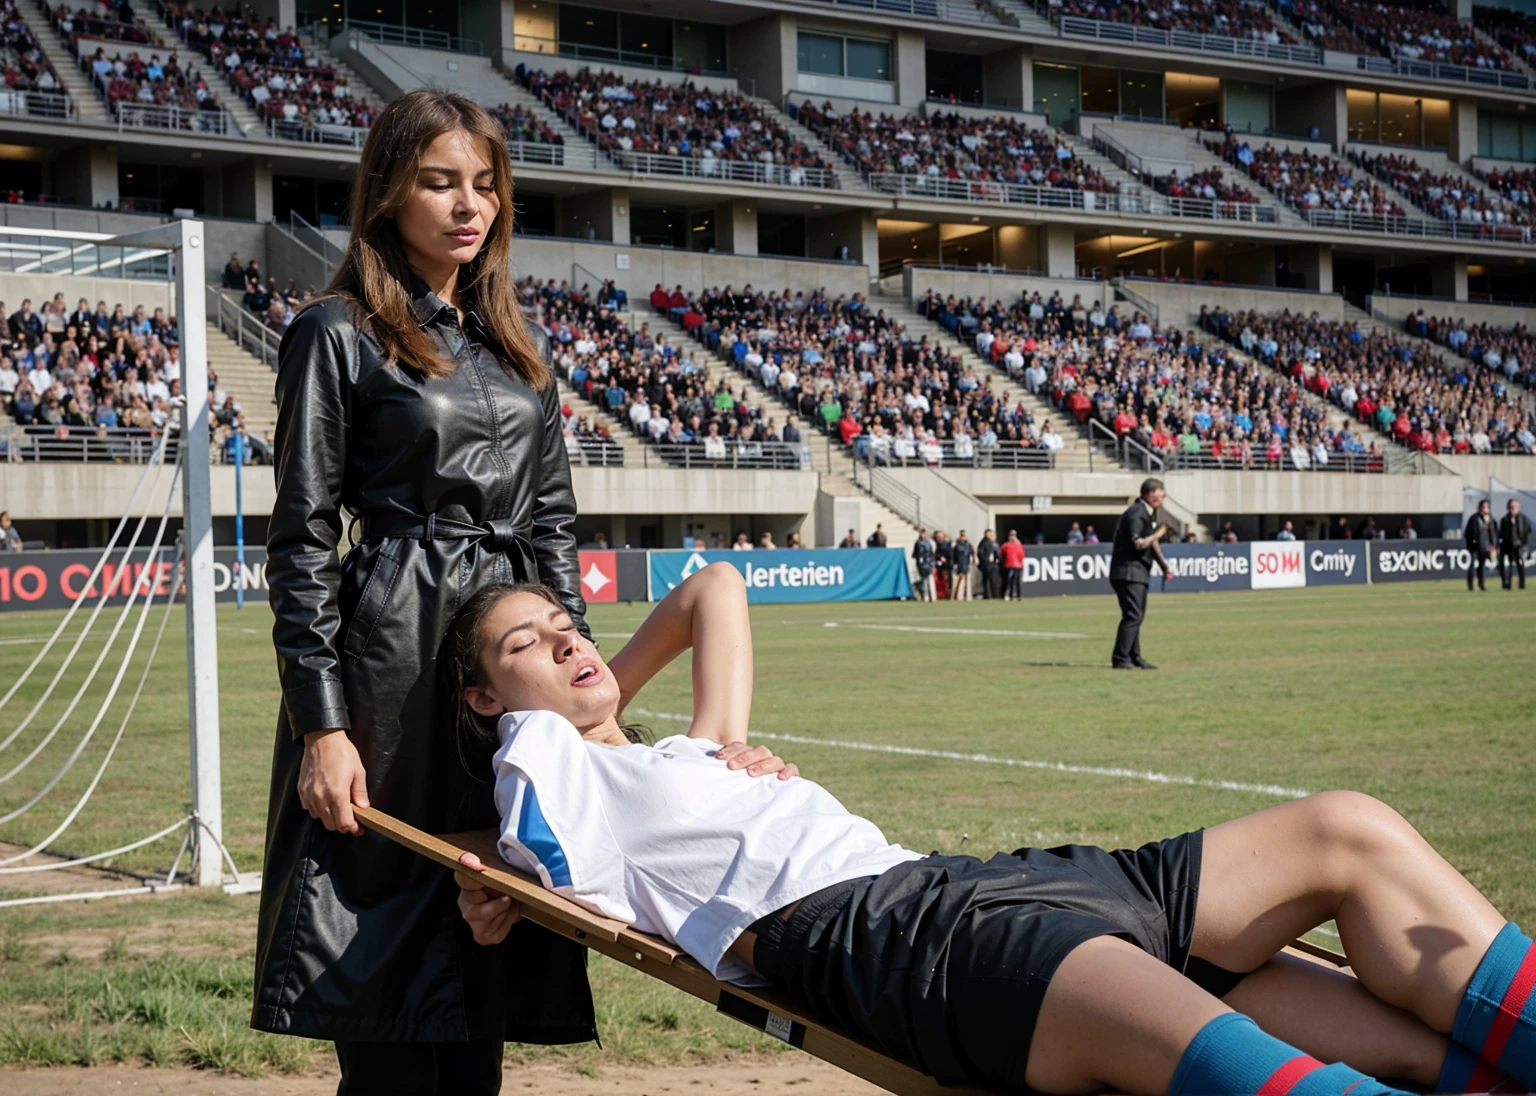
[303, 571]
[554, 510]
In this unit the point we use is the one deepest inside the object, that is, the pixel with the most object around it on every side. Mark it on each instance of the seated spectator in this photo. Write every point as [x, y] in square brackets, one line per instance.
[1508, 354]
[523, 125]
[1228, 18]
[26, 66]
[136, 82]
[1207, 186]
[1308, 181]
[1515, 30]
[680, 120]
[952, 147]
[1447, 196]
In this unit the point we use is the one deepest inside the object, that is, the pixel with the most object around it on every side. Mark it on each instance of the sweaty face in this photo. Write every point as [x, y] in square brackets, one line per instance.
[532, 658]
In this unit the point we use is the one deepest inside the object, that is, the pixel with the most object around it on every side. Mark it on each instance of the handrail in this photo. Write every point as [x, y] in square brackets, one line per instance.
[1103, 31]
[391, 35]
[890, 492]
[253, 336]
[613, 55]
[714, 167]
[37, 104]
[324, 247]
[316, 133]
[1437, 70]
[83, 444]
[576, 278]
[1141, 303]
[751, 455]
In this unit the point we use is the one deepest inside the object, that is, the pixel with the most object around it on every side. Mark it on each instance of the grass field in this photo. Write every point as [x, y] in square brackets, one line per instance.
[1420, 694]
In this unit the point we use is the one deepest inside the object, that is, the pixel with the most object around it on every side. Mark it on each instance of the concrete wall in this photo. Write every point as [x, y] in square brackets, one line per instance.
[693, 270]
[1475, 471]
[1473, 312]
[1008, 77]
[911, 57]
[287, 258]
[1180, 304]
[1322, 105]
[125, 291]
[765, 51]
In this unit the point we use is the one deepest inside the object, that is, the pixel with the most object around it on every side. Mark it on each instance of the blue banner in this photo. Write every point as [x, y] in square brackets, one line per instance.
[789, 574]
[1337, 562]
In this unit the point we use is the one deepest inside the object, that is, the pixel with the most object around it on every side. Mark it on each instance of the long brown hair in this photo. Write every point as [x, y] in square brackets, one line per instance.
[374, 272]
[458, 664]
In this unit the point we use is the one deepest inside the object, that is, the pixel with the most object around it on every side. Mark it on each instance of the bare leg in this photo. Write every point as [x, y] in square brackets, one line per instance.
[1332, 1017]
[1109, 993]
[1414, 929]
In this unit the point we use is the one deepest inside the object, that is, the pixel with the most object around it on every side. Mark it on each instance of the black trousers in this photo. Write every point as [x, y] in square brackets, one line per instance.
[420, 1069]
[1015, 582]
[1516, 564]
[1133, 610]
[1478, 567]
[989, 583]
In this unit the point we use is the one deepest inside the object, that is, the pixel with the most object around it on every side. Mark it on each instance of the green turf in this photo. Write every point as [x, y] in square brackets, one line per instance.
[1420, 694]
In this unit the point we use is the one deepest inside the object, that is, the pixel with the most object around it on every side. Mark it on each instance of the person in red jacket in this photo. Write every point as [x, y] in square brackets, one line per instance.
[659, 298]
[1012, 553]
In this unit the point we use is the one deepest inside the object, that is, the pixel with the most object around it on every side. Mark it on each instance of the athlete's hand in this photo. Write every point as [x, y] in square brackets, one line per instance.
[489, 916]
[757, 760]
[331, 779]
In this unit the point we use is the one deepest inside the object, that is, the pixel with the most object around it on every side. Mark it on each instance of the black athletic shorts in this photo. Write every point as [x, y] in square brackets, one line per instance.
[943, 962]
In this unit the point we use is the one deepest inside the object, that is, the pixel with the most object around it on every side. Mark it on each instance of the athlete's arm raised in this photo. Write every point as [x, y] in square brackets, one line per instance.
[708, 613]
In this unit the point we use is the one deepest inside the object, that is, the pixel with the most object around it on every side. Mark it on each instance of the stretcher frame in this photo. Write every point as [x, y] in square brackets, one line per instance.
[767, 1010]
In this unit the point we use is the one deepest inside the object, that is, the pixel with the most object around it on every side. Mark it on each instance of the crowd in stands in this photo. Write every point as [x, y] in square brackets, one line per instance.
[642, 380]
[1178, 399]
[1387, 381]
[671, 120]
[1517, 186]
[952, 146]
[1306, 180]
[102, 19]
[1208, 184]
[1507, 351]
[26, 69]
[1424, 32]
[1229, 18]
[1318, 24]
[1443, 195]
[270, 69]
[854, 372]
[275, 305]
[135, 81]
[1515, 30]
[524, 125]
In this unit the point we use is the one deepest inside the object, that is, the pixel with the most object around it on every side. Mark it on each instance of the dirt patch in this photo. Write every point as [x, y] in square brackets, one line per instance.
[748, 1077]
[226, 937]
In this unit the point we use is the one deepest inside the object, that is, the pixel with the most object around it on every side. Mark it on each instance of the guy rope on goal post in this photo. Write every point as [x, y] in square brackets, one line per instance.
[183, 242]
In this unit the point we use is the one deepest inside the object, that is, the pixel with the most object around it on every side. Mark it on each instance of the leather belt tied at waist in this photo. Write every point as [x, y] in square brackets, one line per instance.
[494, 536]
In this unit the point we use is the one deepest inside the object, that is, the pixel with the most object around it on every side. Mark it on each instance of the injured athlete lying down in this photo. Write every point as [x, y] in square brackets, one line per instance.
[1066, 970]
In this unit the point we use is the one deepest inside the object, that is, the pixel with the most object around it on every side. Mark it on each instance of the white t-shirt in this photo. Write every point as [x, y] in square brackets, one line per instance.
[668, 838]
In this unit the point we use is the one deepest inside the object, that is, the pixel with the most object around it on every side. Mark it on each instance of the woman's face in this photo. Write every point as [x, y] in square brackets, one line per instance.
[444, 221]
[532, 658]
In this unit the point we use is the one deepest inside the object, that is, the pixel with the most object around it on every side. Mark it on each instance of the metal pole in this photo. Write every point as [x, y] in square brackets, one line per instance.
[197, 529]
[238, 578]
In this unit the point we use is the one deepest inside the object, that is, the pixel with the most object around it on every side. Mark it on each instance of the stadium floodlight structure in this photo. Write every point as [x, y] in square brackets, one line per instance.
[183, 241]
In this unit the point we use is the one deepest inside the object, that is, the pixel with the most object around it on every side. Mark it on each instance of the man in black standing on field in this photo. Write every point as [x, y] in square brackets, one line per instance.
[986, 560]
[1130, 571]
[1514, 542]
[1482, 540]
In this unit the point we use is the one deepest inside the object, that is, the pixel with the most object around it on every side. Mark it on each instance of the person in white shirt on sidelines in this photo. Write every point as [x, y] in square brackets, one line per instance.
[1170, 954]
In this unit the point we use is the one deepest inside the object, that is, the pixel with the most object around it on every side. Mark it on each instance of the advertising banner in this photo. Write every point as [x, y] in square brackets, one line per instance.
[1054, 569]
[1418, 560]
[1198, 567]
[1277, 564]
[788, 574]
[614, 574]
[52, 580]
[1336, 562]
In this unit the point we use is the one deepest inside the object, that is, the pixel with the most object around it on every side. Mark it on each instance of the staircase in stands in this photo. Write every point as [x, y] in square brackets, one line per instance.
[76, 84]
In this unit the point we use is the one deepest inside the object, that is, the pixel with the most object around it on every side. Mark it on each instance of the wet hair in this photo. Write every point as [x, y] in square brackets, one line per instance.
[460, 667]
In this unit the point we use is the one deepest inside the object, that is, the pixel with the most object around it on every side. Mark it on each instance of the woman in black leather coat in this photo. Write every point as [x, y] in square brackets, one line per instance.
[413, 396]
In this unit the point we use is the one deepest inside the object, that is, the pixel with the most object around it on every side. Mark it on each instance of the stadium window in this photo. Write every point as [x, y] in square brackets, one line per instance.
[867, 60]
[647, 35]
[821, 54]
[855, 58]
[1056, 92]
[700, 45]
[1504, 135]
[781, 234]
[660, 226]
[1194, 100]
[1141, 95]
[1101, 91]
[592, 28]
[1248, 106]
[954, 77]
[1398, 119]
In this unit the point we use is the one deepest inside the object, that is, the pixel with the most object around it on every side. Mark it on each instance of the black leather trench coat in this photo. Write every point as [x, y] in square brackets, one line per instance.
[459, 481]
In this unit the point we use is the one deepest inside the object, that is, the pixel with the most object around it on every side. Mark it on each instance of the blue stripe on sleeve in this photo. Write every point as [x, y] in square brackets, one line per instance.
[534, 834]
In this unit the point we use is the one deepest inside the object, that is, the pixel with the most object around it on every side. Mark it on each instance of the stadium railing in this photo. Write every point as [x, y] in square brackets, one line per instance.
[133, 115]
[736, 171]
[756, 455]
[948, 11]
[316, 133]
[1078, 27]
[1428, 227]
[253, 336]
[596, 453]
[539, 152]
[82, 444]
[392, 34]
[966, 190]
[1009, 455]
[662, 62]
[44, 252]
[1180, 460]
[37, 104]
[1436, 70]
[900, 499]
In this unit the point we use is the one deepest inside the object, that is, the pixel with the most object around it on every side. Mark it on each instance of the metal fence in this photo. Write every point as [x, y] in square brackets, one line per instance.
[715, 168]
[1291, 460]
[966, 190]
[37, 104]
[948, 11]
[317, 133]
[1424, 227]
[127, 114]
[391, 34]
[758, 455]
[1011, 455]
[1103, 31]
[539, 152]
[81, 444]
[595, 453]
[1435, 70]
[254, 337]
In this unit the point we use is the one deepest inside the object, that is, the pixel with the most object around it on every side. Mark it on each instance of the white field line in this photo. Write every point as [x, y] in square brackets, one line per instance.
[1013, 762]
[957, 631]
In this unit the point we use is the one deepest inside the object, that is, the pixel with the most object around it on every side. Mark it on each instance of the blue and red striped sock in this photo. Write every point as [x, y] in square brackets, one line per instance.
[1497, 1017]
[1231, 1056]
[1465, 1071]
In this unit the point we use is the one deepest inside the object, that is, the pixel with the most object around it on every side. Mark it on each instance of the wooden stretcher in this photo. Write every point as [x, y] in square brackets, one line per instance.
[767, 1010]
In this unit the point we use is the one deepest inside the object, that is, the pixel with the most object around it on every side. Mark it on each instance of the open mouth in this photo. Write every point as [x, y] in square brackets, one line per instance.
[587, 675]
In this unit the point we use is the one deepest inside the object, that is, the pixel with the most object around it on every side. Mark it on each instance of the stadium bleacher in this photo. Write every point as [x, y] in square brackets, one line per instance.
[1508, 351]
[1229, 18]
[1446, 195]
